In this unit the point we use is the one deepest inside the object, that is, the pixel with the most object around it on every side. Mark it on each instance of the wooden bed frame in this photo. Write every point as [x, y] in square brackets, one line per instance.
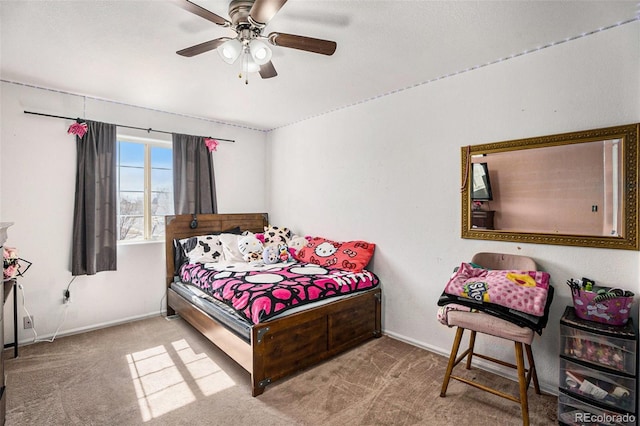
[280, 347]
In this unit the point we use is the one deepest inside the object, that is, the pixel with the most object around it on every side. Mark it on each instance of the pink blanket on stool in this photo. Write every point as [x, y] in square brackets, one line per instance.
[524, 291]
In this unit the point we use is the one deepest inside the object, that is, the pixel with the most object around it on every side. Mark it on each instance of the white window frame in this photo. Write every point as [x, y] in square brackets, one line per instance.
[148, 144]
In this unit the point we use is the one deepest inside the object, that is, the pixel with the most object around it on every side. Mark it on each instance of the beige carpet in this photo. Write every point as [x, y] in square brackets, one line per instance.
[163, 372]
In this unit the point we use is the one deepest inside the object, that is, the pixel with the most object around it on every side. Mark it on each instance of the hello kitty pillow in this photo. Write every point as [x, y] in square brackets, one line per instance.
[349, 255]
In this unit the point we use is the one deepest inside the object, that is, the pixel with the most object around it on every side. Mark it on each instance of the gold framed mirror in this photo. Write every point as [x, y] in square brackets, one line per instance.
[575, 189]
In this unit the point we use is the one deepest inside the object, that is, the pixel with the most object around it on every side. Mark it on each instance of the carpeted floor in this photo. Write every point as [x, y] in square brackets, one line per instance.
[162, 372]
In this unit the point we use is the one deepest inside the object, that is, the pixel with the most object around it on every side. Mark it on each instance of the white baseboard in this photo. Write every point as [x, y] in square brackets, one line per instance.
[48, 337]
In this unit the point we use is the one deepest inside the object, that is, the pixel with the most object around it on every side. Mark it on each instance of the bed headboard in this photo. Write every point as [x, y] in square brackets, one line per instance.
[188, 225]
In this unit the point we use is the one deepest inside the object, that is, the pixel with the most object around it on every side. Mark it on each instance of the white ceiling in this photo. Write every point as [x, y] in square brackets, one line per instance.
[124, 51]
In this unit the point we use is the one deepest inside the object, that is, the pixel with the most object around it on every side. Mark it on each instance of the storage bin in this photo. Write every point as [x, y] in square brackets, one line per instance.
[598, 386]
[610, 352]
[574, 412]
[589, 305]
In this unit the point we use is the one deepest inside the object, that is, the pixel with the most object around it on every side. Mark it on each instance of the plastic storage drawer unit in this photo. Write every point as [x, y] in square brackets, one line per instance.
[574, 412]
[598, 386]
[598, 372]
[605, 351]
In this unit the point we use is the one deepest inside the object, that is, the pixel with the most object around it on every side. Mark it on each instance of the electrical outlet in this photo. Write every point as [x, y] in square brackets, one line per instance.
[28, 322]
[66, 296]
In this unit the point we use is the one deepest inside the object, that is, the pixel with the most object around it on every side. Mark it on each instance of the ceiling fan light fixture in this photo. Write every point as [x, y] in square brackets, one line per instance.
[250, 65]
[230, 50]
[248, 20]
[260, 52]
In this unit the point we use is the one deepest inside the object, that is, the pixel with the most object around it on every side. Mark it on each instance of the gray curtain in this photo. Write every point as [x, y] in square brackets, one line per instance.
[194, 188]
[95, 213]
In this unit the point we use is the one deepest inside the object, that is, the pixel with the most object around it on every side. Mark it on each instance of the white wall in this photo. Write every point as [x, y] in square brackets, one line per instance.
[388, 171]
[37, 172]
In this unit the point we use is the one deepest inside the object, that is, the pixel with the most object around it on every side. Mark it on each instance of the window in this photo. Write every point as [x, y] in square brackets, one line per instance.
[145, 188]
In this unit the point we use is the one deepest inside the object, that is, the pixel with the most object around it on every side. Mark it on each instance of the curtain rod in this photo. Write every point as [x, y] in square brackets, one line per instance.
[119, 125]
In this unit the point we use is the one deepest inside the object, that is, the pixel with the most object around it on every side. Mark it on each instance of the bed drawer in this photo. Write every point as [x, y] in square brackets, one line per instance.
[351, 324]
[293, 348]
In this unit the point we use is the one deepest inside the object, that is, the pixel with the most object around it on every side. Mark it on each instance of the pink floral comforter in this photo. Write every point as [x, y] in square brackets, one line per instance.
[524, 291]
[260, 295]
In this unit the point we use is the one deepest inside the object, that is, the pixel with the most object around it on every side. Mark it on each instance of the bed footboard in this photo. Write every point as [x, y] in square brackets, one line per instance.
[285, 346]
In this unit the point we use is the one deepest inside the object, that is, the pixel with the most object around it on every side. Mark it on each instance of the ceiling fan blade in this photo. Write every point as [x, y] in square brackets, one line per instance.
[202, 47]
[267, 70]
[315, 45]
[263, 11]
[202, 12]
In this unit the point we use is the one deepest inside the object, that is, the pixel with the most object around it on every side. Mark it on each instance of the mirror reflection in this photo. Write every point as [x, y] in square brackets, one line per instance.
[481, 185]
[568, 189]
[574, 189]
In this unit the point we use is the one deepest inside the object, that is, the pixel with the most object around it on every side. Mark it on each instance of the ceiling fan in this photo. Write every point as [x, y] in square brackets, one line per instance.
[248, 20]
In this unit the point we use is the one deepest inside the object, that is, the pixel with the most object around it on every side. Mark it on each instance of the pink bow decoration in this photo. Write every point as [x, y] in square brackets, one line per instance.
[78, 129]
[212, 144]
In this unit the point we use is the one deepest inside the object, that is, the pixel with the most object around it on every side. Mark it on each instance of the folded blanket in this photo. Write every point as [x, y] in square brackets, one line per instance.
[521, 297]
[524, 291]
[443, 312]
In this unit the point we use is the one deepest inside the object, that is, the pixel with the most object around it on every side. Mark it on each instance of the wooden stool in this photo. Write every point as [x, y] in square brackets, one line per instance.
[487, 324]
[478, 322]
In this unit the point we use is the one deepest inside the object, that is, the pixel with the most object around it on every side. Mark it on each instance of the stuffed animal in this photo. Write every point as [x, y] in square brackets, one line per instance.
[283, 253]
[297, 242]
[251, 248]
[276, 253]
[270, 255]
[275, 235]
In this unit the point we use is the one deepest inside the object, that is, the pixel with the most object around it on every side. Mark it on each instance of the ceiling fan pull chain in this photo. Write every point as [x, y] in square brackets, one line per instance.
[245, 64]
